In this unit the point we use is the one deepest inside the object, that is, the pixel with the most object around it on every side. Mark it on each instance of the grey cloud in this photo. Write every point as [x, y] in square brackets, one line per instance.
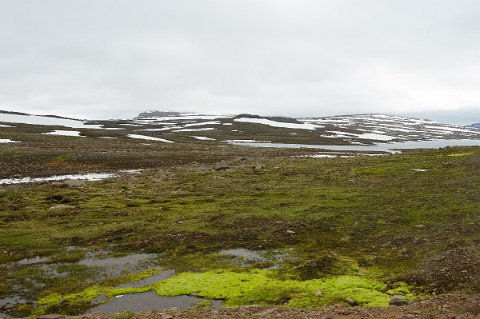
[114, 58]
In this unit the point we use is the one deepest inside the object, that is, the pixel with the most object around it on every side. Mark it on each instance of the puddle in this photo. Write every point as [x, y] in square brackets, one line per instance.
[8, 304]
[150, 280]
[243, 253]
[32, 261]
[117, 266]
[341, 155]
[384, 147]
[139, 283]
[11, 301]
[85, 177]
[147, 301]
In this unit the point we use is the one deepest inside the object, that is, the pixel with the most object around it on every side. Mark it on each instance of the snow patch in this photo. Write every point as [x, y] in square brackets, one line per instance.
[203, 138]
[149, 138]
[7, 140]
[374, 136]
[195, 129]
[43, 120]
[64, 133]
[299, 126]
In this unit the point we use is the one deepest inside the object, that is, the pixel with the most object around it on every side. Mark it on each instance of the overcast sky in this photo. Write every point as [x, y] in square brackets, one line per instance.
[114, 58]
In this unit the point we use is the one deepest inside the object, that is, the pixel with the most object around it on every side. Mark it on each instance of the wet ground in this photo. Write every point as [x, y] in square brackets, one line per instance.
[147, 301]
[116, 266]
[74, 177]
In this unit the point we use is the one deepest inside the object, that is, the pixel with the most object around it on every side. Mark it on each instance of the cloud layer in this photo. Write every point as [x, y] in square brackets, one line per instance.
[115, 58]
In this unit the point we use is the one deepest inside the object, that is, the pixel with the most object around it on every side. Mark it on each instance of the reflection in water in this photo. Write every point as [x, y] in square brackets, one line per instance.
[150, 280]
[384, 147]
[243, 253]
[85, 177]
[147, 301]
[116, 266]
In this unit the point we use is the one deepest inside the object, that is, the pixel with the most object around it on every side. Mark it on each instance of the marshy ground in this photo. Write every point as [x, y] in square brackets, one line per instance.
[241, 225]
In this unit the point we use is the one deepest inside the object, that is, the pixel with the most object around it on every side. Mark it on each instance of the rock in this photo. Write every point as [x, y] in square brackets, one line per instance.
[351, 302]
[265, 313]
[318, 293]
[74, 183]
[52, 316]
[258, 166]
[290, 231]
[61, 206]
[398, 300]
[70, 183]
[221, 166]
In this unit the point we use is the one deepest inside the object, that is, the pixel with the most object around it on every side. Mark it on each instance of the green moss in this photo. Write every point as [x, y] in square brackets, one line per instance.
[371, 210]
[50, 300]
[250, 287]
[460, 154]
[240, 288]
[68, 256]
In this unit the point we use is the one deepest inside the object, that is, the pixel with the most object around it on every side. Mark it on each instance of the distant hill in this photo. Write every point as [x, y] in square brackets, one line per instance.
[477, 125]
[12, 112]
[150, 114]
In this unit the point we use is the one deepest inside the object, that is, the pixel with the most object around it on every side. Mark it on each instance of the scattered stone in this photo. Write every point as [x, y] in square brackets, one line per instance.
[74, 183]
[398, 300]
[61, 206]
[351, 302]
[70, 183]
[52, 316]
[265, 312]
[290, 231]
[318, 293]
[259, 166]
[221, 166]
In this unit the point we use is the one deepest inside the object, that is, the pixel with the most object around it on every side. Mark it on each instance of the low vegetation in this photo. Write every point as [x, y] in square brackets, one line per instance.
[329, 230]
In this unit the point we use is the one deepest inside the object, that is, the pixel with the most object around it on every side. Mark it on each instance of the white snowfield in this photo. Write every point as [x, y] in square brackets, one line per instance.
[64, 133]
[375, 136]
[203, 123]
[44, 120]
[148, 138]
[7, 140]
[357, 128]
[195, 129]
[380, 127]
[156, 120]
[298, 126]
[203, 138]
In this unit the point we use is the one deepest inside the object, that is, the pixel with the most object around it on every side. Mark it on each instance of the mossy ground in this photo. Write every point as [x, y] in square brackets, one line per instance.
[248, 287]
[371, 220]
[263, 287]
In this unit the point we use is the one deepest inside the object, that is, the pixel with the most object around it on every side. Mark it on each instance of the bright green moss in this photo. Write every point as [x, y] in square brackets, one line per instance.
[50, 300]
[460, 154]
[259, 286]
[253, 287]
[139, 276]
